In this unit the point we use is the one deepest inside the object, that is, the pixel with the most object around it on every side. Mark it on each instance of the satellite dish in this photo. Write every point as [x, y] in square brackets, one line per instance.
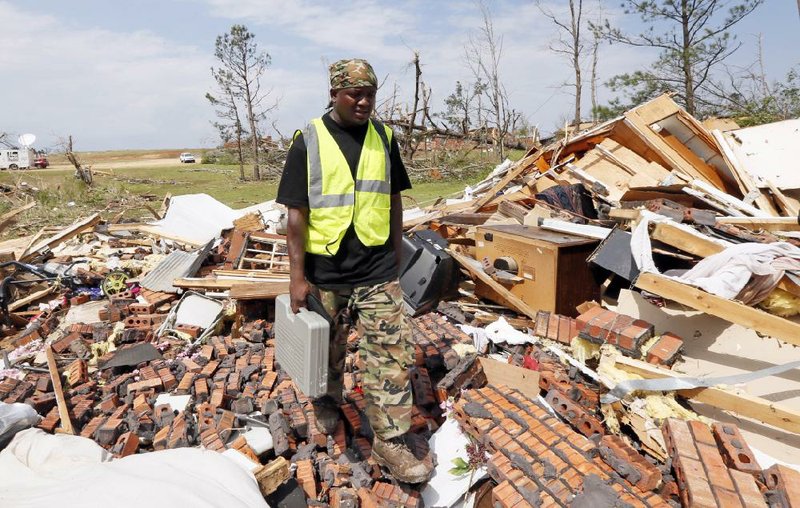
[26, 140]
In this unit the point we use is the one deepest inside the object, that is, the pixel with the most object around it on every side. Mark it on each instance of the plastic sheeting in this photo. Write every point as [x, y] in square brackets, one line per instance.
[42, 470]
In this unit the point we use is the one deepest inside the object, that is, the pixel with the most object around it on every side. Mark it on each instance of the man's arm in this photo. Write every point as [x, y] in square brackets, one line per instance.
[297, 226]
[396, 227]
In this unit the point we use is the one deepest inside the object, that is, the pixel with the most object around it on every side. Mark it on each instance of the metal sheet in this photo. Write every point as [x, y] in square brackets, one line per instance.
[177, 264]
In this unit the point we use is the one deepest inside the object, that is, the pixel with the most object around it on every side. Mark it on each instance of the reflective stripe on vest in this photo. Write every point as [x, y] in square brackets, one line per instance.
[335, 200]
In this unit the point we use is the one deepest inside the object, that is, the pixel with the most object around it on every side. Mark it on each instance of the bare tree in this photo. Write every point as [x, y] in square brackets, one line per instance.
[231, 126]
[696, 39]
[483, 55]
[240, 71]
[569, 44]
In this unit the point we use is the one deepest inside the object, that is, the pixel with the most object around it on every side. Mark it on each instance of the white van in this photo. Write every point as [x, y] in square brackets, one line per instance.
[17, 158]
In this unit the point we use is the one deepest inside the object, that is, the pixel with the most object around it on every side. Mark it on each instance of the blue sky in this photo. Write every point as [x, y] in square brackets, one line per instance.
[134, 74]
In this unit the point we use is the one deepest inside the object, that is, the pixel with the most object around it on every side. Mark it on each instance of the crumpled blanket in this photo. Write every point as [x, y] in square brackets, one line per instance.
[747, 272]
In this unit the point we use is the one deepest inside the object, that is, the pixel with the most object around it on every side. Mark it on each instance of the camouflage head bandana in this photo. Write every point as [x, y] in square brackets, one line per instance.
[352, 73]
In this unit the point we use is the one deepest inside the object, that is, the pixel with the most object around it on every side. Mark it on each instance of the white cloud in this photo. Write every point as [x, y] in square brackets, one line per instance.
[109, 89]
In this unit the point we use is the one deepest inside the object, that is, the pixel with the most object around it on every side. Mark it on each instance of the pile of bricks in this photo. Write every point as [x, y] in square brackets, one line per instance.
[715, 468]
[536, 459]
[628, 334]
[233, 381]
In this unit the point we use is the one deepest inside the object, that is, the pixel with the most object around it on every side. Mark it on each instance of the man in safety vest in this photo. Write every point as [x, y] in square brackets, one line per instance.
[341, 183]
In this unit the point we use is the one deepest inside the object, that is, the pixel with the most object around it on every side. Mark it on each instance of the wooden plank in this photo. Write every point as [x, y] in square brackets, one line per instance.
[64, 235]
[61, 402]
[697, 244]
[735, 312]
[765, 223]
[790, 206]
[203, 283]
[8, 218]
[499, 373]
[521, 166]
[736, 401]
[258, 290]
[22, 302]
[514, 302]
[702, 246]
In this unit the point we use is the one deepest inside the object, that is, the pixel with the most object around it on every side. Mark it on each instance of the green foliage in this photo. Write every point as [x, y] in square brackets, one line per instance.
[461, 467]
[766, 104]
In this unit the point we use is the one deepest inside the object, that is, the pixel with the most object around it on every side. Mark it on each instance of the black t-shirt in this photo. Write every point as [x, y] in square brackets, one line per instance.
[354, 264]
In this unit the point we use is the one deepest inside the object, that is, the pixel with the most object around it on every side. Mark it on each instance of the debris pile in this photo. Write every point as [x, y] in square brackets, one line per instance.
[567, 387]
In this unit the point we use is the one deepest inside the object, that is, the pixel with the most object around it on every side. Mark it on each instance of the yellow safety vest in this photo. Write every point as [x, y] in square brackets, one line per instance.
[335, 201]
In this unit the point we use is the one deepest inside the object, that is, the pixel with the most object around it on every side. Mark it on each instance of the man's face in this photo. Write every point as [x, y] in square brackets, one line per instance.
[353, 106]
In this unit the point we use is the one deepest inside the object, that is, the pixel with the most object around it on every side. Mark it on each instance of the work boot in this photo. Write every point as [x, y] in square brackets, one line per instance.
[326, 414]
[397, 457]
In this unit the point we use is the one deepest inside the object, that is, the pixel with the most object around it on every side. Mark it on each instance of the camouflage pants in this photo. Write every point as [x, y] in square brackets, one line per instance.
[385, 349]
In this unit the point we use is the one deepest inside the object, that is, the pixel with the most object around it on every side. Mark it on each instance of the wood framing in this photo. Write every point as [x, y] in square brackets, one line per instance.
[729, 400]
[729, 310]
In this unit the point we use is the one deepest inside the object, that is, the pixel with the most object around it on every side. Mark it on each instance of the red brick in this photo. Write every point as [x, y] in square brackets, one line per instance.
[615, 450]
[748, 489]
[787, 481]
[666, 350]
[127, 444]
[145, 385]
[79, 299]
[306, 478]
[423, 389]
[735, 451]
[585, 423]
[583, 320]
[542, 322]
[191, 330]
[715, 468]
[552, 327]
[564, 336]
[695, 489]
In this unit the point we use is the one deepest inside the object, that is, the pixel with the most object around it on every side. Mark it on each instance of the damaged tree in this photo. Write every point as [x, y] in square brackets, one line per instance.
[240, 71]
[570, 45]
[227, 109]
[691, 48]
[483, 55]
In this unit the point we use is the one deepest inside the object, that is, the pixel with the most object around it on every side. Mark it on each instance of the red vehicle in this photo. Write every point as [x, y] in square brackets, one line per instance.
[40, 162]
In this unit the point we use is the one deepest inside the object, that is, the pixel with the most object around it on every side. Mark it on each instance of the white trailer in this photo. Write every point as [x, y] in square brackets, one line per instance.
[17, 158]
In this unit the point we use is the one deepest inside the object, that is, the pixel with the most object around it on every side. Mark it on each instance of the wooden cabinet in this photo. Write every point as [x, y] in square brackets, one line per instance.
[550, 269]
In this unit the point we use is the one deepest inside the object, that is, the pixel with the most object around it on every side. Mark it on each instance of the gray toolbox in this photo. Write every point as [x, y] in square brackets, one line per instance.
[301, 346]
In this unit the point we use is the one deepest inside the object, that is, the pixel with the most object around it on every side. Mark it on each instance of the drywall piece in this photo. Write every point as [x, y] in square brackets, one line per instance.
[176, 402]
[715, 347]
[768, 152]
[87, 313]
[197, 310]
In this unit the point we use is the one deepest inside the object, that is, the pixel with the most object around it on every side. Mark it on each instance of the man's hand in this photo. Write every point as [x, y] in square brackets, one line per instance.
[298, 291]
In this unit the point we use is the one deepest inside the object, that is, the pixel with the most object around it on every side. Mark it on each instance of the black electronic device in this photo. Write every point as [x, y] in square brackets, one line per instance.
[428, 273]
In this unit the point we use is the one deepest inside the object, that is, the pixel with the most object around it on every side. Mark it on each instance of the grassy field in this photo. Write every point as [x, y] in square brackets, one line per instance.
[127, 188]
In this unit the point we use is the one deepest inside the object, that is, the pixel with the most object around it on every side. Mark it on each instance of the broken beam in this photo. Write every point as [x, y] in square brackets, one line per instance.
[765, 223]
[61, 402]
[728, 310]
[514, 301]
